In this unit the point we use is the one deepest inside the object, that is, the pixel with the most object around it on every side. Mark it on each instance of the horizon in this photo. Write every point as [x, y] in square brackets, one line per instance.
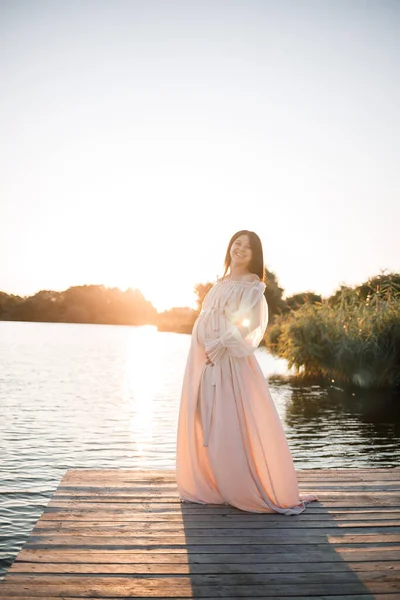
[193, 305]
[138, 137]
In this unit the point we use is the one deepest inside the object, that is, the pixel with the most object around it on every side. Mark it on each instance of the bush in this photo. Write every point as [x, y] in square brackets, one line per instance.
[353, 342]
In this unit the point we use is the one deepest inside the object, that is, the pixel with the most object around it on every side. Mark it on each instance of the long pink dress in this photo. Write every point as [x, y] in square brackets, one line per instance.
[231, 446]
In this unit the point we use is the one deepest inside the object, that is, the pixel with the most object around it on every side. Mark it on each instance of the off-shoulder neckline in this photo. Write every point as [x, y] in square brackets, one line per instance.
[241, 281]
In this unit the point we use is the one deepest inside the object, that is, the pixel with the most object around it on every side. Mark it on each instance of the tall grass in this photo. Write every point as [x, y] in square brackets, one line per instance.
[354, 342]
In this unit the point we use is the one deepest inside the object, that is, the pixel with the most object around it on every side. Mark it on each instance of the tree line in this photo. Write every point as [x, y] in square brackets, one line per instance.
[100, 304]
[352, 336]
[80, 304]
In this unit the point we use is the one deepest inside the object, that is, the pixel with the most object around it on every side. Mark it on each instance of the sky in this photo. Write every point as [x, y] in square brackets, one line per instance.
[137, 136]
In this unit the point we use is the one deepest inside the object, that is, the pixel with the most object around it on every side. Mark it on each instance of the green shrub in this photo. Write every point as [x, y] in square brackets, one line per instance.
[353, 342]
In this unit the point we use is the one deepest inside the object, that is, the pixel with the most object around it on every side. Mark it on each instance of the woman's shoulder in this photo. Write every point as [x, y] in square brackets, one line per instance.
[247, 289]
[251, 278]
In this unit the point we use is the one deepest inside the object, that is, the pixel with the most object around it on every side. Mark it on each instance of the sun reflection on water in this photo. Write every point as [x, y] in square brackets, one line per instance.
[143, 381]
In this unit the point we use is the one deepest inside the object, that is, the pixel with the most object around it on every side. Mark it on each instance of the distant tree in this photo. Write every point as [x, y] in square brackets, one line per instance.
[42, 306]
[339, 295]
[201, 290]
[296, 300]
[77, 314]
[385, 286]
[273, 294]
[8, 304]
[178, 319]
[81, 304]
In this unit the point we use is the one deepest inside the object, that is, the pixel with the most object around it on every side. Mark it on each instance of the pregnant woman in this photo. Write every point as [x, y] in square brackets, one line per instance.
[231, 446]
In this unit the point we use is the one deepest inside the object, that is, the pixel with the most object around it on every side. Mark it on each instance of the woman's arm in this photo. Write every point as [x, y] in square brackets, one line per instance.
[245, 331]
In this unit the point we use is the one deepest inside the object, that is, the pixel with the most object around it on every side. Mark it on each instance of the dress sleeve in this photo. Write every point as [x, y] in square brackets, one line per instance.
[246, 327]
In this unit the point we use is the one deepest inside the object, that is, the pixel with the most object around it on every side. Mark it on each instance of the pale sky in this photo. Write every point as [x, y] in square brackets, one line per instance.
[137, 136]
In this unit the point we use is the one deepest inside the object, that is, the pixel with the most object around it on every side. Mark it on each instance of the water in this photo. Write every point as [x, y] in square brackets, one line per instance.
[102, 396]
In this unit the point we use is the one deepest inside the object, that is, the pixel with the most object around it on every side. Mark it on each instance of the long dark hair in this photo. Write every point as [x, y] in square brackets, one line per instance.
[257, 258]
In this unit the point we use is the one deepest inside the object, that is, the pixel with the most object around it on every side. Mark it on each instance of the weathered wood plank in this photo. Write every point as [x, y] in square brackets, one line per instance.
[205, 585]
[372, 500]
[75, 526]
[169, 475]
[170, 487]
[172, 495]
[120, 533]
[146, 567]
[181, 540]
[147, 510]
[364, 596]
[102, 514]
[271, 554]
[191, 522]
[24, 597]
[193, 531]
[76, 581]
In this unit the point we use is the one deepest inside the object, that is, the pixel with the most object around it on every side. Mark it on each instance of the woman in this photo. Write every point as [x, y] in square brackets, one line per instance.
[231, 447]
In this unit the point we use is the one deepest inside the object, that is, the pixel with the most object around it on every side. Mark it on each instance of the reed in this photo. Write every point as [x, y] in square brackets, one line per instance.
[356, 341]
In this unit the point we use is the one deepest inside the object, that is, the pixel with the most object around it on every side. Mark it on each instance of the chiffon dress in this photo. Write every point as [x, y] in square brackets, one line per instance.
[231, 446]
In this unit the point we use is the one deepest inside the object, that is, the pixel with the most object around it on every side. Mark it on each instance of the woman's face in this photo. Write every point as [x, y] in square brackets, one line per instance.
[241, 251]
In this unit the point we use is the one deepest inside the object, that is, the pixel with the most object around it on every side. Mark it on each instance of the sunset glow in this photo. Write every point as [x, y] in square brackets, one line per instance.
[137, 139]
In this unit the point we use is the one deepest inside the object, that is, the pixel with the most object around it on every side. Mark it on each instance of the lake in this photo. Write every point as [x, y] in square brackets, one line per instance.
[103, 396]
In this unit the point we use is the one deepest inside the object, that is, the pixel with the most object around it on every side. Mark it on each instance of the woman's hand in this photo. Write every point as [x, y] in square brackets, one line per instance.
[208, 361]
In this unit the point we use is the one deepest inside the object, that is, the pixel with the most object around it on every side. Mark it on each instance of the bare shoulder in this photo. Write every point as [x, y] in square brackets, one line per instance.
[253, 277]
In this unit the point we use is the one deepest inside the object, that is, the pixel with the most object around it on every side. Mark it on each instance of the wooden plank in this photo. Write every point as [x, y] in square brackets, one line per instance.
[44, 527]
[24, 597]
[172, 495]
[72, 477]
[333, 514]
[120, 541]
[203, 586]
[77, 581]
[364, 596]
[215, 521]
[356, 501]
[318, 552]
[203, 549]
[226, 567]
[168, 487]
[192, 507]
[314, 511]
[193, 531]
[331, 491]
[170, 483]
[122, 533]
[193, 523]
[168, 474]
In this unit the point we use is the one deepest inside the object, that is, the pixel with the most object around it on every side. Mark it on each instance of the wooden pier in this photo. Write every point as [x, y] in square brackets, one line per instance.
[125, 534]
